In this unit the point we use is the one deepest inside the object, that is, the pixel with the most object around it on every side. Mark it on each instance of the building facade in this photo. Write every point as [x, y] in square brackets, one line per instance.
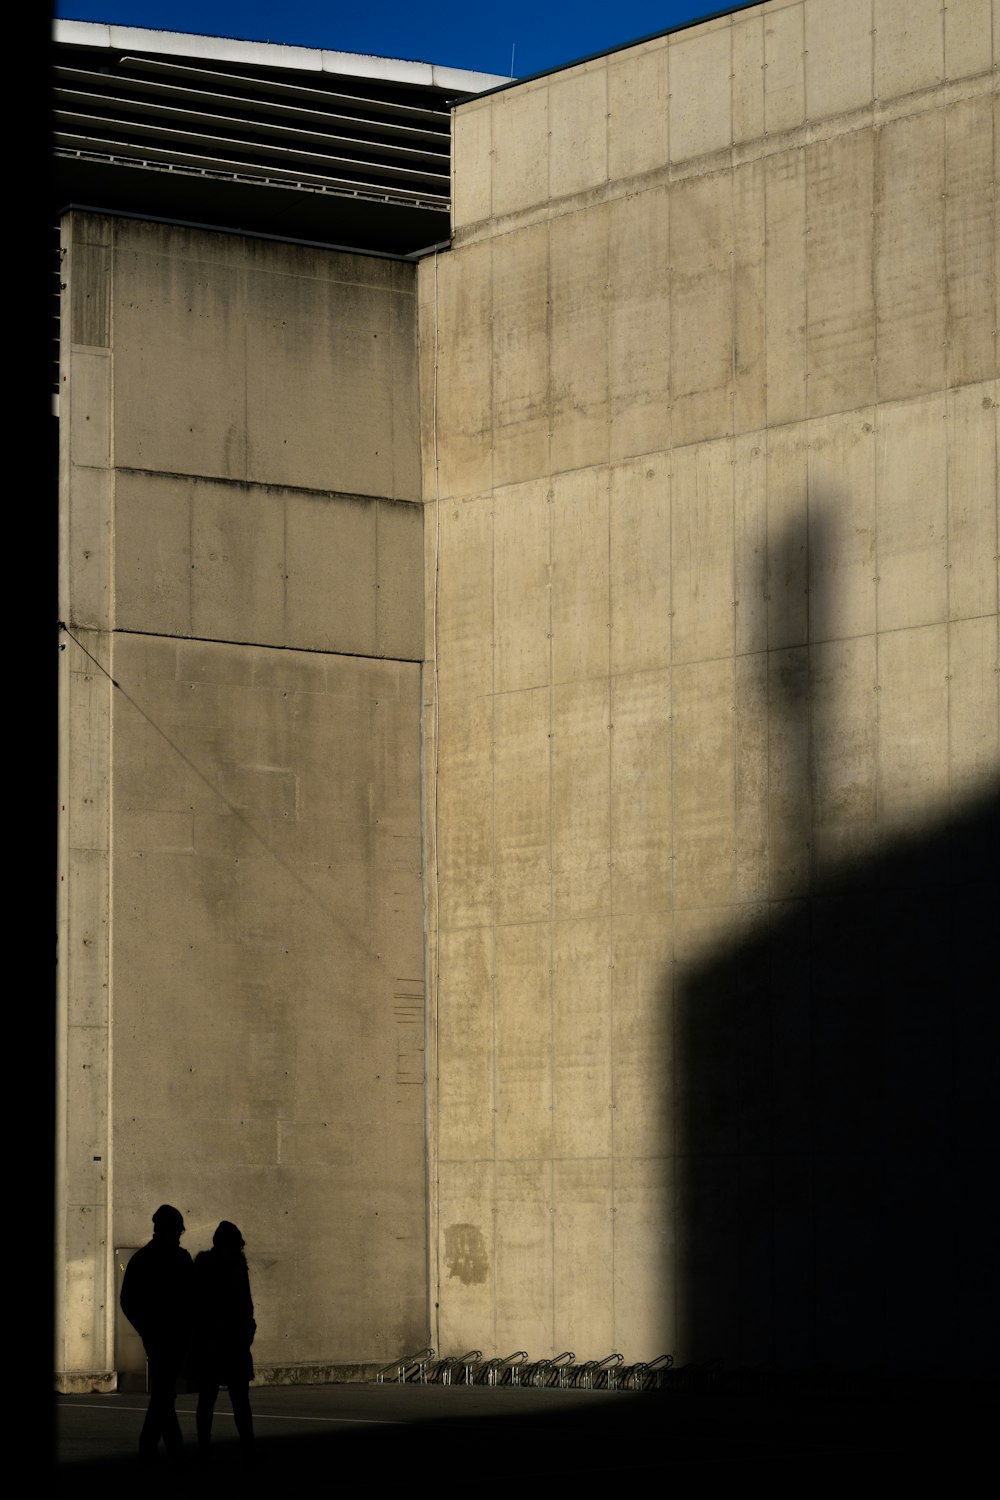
[529, 712]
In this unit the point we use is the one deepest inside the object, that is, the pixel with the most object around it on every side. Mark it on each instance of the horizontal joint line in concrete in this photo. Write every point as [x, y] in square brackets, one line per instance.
[266, 486]
[208, 640]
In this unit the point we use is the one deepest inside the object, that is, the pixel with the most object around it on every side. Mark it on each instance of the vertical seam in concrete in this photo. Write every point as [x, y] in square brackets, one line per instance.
[434, 1172]
[947, 417]
[64, 751]
[550, 506]
[879, 439]
[612, 1051]
[109, 1269]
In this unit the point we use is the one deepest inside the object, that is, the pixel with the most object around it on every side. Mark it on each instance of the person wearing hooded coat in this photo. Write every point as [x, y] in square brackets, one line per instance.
[156, 1299]
[224, 1329]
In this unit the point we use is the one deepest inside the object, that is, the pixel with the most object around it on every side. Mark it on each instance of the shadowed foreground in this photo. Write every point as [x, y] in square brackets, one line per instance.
[803, 1428]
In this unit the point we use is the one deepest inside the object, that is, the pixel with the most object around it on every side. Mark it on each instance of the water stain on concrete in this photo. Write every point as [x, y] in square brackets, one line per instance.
[465, 1253]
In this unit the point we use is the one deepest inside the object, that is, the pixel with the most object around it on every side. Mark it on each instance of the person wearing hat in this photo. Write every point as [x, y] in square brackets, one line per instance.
[156, 1299]
[224, 1329]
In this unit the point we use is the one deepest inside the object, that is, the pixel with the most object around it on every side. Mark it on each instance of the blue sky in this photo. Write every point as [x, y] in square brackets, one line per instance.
[455, 33]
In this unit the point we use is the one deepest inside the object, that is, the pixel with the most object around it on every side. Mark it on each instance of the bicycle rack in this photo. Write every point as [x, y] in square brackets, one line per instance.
[410, 1364]
[593, 1369]
[461, 1364]
[548, 1371]
[495, 1371]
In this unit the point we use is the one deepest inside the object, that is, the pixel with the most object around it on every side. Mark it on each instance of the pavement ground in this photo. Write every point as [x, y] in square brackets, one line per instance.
[801, 1434]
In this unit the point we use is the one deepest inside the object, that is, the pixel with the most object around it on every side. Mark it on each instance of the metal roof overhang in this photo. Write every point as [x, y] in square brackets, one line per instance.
[334, 149]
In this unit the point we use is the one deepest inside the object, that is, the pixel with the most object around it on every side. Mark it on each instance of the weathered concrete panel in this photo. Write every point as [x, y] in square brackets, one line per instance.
[399, 581]
[701, 511]
[785, 286]
[787, 537]
[460, 627]
[800, 496]
[967, 29]
[638, 110]
[578, 336]
[751, 789]
[153, 562]
[973, 707]
[465, 812]
[701, 311]
[581, 1038]
[750, 542]
[520, 148]
[522, 793]
[970, 240]
[841, 314]
[405, 361]
[86, 597]
[467, 1208]
[583, 1291]
[319, 384]
[311, 1069]
[639, 564]
[784, 79]
[842, 552]
[87, 266]
[749, 297]
[641, 803]
[642, 1033]
[581, 877]
[644, 1258]
[460, 377]
[703, 770]
[748, 76]
[910, 257]
[909, 46]
[638, 335]
[282, 365]
[90, 410]
[700, 118]
[465, 1045]
[972, 500]
[578, 129]
[472, 164]
[522, 586]
[524, 1260]
[180, 351]
[839, 56]
[912, 500]
[237, 558]
[523, 1082]
[521, 356]
[579, 576]
[912, 724]
[789, 792]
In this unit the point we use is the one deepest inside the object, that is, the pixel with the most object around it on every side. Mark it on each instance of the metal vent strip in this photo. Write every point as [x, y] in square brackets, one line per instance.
[249, 126]
[80, 86]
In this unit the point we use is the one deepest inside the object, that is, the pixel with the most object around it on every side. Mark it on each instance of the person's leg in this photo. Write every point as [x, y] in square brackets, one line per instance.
[207, 1396]
[161, 1415]
[239, 1398]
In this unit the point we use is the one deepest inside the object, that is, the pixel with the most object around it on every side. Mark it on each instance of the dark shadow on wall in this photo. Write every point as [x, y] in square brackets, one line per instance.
[835, 1076]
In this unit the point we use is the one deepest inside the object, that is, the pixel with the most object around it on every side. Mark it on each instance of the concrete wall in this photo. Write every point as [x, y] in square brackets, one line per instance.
[709, 392]
[241, 947]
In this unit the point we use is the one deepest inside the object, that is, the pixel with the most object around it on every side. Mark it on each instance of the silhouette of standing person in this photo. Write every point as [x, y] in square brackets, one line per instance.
[156, 1299]
[224, 1330]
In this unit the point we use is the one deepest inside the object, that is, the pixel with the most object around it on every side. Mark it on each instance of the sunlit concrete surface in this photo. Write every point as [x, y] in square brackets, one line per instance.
[530, 729]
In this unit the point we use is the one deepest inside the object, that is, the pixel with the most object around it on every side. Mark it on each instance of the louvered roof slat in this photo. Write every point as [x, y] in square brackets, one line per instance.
[421, 158]
[130, 129]
[301, 91]
[110, 150]
[184, 95]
